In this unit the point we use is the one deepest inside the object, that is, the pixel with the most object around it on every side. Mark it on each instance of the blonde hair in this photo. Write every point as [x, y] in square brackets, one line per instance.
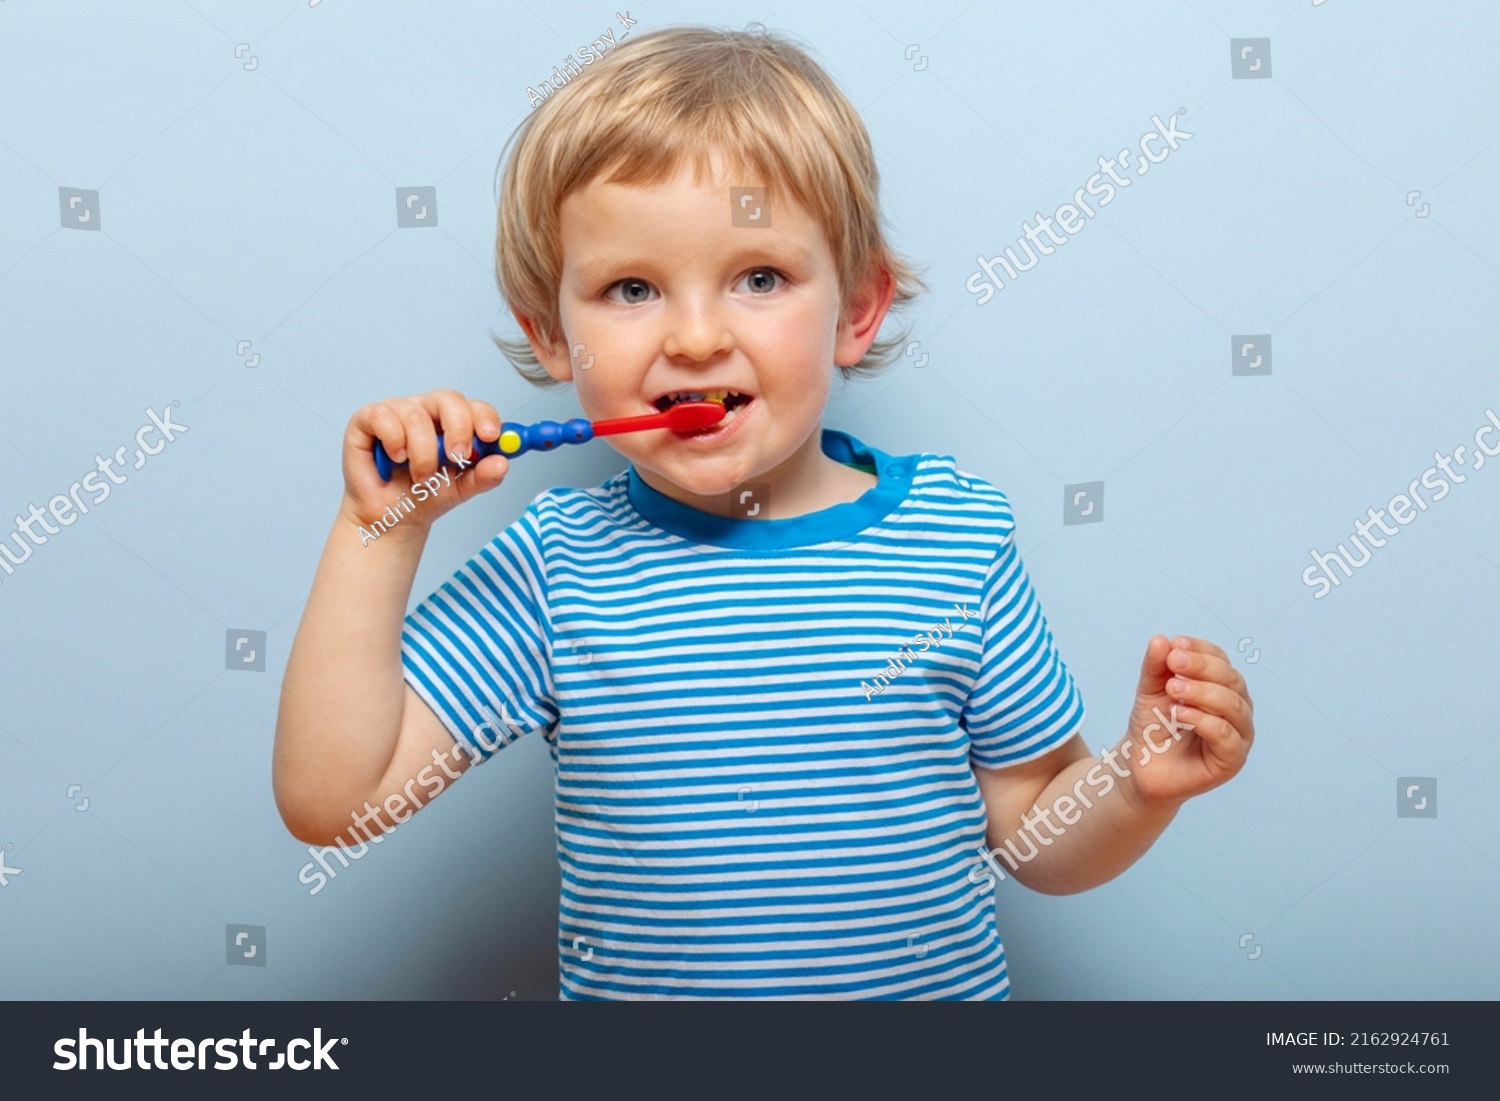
[681, 93]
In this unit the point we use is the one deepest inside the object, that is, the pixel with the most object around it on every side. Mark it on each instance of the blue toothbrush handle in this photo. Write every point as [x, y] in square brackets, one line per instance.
[515, 439]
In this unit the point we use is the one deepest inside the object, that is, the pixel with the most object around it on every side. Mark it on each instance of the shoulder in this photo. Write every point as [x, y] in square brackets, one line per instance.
[566, 508]
[941, 487]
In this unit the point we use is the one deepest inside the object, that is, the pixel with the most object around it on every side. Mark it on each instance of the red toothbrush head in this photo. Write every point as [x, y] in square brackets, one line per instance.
[688, 416]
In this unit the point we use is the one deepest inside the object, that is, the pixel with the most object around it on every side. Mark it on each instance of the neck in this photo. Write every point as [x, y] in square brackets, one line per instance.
[807, 481]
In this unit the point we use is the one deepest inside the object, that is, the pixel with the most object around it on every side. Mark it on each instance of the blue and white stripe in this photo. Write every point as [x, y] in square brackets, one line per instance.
[734, 817]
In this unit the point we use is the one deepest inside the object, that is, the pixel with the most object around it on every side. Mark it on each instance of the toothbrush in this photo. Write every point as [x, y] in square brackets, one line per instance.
[517, 439]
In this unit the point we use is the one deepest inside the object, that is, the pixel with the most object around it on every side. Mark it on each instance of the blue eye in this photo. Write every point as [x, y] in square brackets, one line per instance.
[633, 284]
[764, 274]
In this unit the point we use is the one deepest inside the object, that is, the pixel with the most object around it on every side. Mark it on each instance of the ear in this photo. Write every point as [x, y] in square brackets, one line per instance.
[552, 355]
[861, 323]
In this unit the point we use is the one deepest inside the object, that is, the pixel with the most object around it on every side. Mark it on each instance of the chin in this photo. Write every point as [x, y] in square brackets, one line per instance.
[701, 479]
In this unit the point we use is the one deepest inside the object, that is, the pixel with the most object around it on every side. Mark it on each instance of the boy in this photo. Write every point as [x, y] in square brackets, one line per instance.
[791, 684]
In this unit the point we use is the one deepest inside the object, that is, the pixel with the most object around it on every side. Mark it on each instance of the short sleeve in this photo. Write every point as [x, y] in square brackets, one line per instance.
[1024, 702]
[476, 650]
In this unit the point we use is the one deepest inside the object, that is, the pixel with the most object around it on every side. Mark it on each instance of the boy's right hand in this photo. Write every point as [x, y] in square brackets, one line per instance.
[408, 429]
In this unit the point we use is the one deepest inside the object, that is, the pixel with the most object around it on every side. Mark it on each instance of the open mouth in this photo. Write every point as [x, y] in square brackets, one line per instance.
[731, 400]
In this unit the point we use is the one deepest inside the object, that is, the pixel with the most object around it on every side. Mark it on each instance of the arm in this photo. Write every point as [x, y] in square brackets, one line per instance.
[350, 733]
[1063, 805]
[1103, 840]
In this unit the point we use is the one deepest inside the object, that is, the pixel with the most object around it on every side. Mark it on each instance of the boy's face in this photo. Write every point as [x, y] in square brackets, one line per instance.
[667, 296]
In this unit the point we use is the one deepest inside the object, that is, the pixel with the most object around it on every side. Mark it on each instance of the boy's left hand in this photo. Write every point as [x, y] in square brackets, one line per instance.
[1210, 695]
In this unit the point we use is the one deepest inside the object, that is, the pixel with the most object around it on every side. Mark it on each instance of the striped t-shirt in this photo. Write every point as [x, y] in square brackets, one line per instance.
[763, 730]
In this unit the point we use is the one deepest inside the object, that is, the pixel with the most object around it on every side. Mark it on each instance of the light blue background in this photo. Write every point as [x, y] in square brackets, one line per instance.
[258, 204]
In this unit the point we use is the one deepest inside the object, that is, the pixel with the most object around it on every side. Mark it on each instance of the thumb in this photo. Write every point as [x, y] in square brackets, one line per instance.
[1154, 671]
[486, 474]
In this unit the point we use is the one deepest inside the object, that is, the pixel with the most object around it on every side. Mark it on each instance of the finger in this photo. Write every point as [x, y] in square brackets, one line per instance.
[417, 416]
[1154, 669]
[482, 477]
[486, 420]
[456, 422]
[1199, 659]
[1199, 645]
[1207, 662]
[1226, 742]
[1203, 666]
[379, 421]
[1211, 697]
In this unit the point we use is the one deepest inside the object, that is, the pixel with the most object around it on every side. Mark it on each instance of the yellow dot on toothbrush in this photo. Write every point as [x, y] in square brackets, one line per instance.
[510, 442]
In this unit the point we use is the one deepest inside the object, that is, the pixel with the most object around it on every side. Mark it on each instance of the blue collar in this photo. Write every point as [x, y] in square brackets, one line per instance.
[838, 522]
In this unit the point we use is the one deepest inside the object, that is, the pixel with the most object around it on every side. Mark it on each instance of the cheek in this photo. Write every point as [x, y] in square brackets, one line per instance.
[795, 364]
[602, 396]
[803, 335]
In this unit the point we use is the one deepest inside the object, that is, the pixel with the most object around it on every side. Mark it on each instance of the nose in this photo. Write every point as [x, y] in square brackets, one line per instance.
[696, 331]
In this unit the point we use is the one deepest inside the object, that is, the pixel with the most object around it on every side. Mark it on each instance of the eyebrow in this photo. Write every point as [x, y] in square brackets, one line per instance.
[779, 250]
